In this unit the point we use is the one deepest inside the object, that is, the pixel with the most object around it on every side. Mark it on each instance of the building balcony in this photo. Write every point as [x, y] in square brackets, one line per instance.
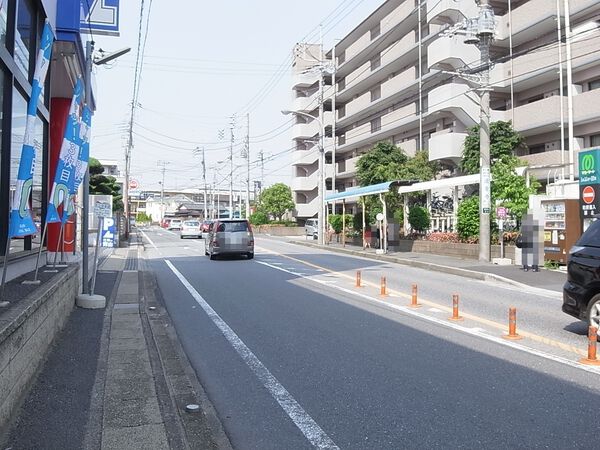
[446, 146]
[533, 71]
[347, 168]
[447, 52]
[305, 79]
[305, 130]
[391, 123]
[402, 53]
[307, 183]
[305, 157]
[306, 104]
[393, 25]
[441, 12]
[306, 210]
[456, 99]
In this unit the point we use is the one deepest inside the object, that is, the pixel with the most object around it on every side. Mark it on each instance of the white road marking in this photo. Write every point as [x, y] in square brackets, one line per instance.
[151, 242]
[435, 310]
[472, 331]
[305, 423]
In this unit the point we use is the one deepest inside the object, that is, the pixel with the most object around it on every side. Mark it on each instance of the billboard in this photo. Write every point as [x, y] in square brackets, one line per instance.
[100, 17]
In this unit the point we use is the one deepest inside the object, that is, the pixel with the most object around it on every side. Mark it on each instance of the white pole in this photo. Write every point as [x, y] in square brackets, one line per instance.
[231, 171]
[561, 91]
[322, 218]
[512, 66]
[333, 139]
[248, 166]
[569, 90]
[420, 79]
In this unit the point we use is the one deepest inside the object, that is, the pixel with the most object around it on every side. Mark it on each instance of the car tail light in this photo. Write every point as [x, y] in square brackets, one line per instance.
[215, 243]
[250, 242]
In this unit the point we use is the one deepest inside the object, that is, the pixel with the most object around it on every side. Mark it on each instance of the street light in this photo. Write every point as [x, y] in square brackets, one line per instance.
[320, 189]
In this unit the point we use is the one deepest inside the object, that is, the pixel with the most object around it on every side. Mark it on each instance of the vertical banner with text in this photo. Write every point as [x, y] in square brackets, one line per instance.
[21, 223]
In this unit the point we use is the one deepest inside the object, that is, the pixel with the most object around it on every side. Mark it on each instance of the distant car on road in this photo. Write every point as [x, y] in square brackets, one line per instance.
[311, 228]
[229, 236]
[175, 224]
[190, 228]
[165, 222]
[581, 292]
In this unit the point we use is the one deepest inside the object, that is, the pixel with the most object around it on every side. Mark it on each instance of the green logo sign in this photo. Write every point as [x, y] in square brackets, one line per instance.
[589, 165]
[588, 162]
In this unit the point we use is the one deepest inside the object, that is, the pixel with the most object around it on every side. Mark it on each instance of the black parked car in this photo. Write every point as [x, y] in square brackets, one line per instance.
[581, 292]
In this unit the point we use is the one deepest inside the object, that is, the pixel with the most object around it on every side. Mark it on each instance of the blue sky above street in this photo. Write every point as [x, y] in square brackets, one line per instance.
[205, 61]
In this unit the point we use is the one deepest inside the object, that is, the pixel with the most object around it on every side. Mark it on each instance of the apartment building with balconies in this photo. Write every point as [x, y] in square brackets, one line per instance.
[396, 81]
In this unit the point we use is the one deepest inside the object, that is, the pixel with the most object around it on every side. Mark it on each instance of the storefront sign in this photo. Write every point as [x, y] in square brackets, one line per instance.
[108, 233]
[589, 167]
[100, 17]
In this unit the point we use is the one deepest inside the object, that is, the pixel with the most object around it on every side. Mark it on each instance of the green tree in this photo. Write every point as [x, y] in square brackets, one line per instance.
[104, 185]
[387, 162]
[504, 140]
[510, 189]
[336, 221]
[468, 218]
[259, 218]
[142, 217]
[276, 200]
[418, 218]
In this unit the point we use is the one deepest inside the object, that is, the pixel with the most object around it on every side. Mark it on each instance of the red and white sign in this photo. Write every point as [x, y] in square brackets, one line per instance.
[588, 195]
[133, 184]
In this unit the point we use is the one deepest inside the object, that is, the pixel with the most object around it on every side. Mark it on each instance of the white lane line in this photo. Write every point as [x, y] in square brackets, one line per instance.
[151, 242]
[472, 331]
[305, 423]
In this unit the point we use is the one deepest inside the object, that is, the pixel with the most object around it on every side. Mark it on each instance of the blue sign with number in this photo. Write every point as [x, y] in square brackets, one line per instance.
[108, 233]
[100, 16]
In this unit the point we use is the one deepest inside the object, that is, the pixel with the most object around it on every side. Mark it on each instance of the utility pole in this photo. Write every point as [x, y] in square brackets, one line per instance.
[321, 190]
[485, 33]
[204, 181]
[163, 165]
[480, 31]
[231, 126]
[262, 169]
[248, 165]
[568, 38]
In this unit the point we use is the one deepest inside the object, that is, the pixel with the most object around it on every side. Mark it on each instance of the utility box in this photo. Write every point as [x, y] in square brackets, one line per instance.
[562, 228]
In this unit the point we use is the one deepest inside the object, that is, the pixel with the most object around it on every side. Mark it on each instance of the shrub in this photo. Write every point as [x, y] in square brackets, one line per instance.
[259, 218]
[336, 221]
[468, 218]
[399, 216]
[418, 218]
[443, 237]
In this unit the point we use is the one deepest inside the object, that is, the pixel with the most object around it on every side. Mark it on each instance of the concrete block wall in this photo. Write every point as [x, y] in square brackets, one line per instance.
[27, 330]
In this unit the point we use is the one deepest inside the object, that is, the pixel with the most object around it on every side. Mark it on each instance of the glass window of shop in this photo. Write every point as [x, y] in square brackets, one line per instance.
[24, 35]
[19, 117]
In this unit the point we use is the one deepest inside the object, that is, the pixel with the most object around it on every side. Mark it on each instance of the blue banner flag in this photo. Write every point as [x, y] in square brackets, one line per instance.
[20, 222]
[64, 177]
[84, 156]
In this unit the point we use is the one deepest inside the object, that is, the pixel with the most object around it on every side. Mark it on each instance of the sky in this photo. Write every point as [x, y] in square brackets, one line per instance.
[203, 62]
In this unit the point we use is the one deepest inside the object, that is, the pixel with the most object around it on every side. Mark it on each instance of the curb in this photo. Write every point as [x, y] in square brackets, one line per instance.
[482, 276]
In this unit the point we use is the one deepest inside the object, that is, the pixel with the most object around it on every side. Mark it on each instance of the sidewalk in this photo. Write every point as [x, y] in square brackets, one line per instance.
[550, 280]
[117, 378]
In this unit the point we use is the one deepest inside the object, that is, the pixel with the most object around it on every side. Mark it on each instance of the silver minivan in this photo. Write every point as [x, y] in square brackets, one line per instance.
[229, 236]
[311, 228]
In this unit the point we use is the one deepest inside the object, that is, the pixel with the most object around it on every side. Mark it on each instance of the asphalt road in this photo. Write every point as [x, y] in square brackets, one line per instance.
[292, 355]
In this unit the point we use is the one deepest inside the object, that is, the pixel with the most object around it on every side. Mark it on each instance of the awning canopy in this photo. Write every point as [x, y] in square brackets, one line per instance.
[380, 188]
[440, 184]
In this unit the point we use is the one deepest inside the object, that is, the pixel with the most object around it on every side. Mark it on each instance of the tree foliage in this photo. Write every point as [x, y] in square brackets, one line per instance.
[387, 162]
[104, 185]
[418, 218]
[504, 140]
[468, 218]
[259, 218]
[337, 221]
[510, 189]
[276, 200]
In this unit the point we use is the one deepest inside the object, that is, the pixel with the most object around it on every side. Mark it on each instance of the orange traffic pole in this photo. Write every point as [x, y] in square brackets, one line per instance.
[358, 284]
[512, 325]
[591, 359]
[383, 290]
[413, 299]
[455, 315]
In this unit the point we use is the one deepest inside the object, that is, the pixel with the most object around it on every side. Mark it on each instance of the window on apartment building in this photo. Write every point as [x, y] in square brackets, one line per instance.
[376, 93]
[342, 84]
[375, 125]
[535, 99]
[537, 149]
[342, 111]
[341, 57]
[376, 62]
[375, 31]
[594, 140]
[595, 84]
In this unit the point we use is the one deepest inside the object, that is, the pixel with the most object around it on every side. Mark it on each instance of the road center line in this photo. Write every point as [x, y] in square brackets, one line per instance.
[305, 423]
[441, 322]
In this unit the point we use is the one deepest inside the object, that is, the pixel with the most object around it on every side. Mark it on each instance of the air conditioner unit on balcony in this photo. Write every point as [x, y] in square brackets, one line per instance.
[551, 93]
[554, 145]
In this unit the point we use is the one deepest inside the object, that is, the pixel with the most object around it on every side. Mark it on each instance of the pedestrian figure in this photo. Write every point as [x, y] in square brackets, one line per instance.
[377, 237]
[531, 242]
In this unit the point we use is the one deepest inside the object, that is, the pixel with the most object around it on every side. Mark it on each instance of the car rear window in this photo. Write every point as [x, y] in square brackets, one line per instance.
[233, 227]
[191, 223]
[591, 236]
